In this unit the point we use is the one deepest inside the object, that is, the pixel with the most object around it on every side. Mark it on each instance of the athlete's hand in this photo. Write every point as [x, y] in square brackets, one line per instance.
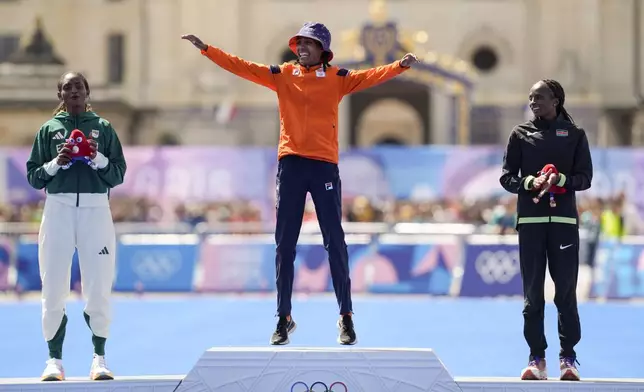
[553, 179]
[539, 181]
[408, 60]
[195, 41]
[93, 146]
[64, 156]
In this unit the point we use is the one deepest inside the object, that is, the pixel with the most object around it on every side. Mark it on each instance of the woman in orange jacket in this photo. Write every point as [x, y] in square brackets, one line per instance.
[309, 92]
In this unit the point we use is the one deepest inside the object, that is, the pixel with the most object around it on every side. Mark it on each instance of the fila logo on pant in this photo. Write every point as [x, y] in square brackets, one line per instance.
[104, 251]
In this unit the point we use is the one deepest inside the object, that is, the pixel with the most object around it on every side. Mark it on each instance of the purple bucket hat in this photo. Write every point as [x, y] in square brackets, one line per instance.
[316, 31]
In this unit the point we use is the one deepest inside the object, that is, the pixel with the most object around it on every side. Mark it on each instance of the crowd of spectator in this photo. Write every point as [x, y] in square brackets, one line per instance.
[495, 215]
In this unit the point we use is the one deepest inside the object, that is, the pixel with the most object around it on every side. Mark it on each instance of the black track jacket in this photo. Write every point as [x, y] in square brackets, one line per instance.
[530, 147]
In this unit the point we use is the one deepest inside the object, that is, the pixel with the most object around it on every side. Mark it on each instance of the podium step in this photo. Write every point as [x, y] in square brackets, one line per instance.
[286, 369]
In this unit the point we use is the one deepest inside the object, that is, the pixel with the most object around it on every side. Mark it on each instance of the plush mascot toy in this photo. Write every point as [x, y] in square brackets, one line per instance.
[552, 189]
[81, 151]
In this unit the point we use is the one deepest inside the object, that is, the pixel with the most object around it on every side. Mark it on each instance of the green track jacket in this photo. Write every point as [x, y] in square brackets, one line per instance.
[43, 172]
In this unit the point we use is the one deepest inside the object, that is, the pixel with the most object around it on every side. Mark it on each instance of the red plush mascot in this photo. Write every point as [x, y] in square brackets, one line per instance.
[552, 189]
[81, 151]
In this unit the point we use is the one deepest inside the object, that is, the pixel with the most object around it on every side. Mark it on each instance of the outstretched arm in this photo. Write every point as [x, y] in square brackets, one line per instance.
[360, 80]
[257, 73]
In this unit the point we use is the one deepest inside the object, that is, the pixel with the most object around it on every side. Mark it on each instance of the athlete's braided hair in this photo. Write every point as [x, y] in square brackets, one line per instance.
[325, 60]
[61, 106]
[560, 94]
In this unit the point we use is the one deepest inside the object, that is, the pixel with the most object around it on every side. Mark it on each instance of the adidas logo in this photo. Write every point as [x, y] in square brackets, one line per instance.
[104, 251]
[59, 136]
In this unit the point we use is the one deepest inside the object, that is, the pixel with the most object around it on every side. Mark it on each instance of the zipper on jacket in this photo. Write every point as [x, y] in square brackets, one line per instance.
[306, 102]
[77, 178]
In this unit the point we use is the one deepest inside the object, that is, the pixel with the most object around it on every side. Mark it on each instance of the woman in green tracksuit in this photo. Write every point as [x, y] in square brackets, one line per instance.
[76, 216]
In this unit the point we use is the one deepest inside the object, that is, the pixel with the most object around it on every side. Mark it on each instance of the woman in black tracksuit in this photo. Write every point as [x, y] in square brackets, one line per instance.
[548, 227]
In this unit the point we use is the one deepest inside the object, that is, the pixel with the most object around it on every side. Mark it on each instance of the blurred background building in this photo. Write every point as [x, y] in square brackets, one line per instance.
[158, 90]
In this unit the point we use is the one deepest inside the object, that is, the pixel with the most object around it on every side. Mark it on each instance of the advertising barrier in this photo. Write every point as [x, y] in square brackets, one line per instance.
[227, 265]
[224, 263]
[440, 265]
[167, 267]
[375, 267]
[27, 269]
[491, 270]
[619, 270]
[7, 255]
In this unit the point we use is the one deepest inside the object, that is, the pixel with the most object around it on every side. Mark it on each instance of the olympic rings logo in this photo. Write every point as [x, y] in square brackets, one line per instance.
[497, 267]
[319, 386]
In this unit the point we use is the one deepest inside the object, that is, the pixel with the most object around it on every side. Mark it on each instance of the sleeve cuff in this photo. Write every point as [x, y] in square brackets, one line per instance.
[101, 160]
[51, 167]
[205, 51]
[562, 180]
[527, 183]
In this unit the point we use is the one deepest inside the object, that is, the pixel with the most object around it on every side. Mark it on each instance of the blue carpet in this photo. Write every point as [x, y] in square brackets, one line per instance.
[166, 335]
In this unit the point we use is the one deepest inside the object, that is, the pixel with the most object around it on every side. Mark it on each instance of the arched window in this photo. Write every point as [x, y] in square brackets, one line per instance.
[389, 141]
[485, 58]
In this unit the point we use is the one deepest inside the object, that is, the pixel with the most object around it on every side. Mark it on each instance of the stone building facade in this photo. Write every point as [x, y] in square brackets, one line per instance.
[156, 88]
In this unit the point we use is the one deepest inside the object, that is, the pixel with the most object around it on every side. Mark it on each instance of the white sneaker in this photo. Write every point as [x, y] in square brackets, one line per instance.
[536, 370]
[99, 370]
[54, 370]
[568, 369]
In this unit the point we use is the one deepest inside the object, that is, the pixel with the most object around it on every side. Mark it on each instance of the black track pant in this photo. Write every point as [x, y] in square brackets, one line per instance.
[296, 176]
[559, 244]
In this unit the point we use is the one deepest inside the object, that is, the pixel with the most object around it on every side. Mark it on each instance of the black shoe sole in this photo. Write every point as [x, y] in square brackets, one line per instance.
[347, 343]
[103, 377]
[49, 379]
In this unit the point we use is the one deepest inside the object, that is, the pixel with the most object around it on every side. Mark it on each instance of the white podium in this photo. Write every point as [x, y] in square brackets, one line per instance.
[318, 369]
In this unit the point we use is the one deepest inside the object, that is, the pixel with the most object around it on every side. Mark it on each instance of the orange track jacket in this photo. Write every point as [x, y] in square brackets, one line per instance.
[308, 99]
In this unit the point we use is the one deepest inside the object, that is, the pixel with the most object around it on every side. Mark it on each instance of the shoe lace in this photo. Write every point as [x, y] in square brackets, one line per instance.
[534, 362]
[281, 324]
[570, 362]
[347, 324]
[99, 361]
[52, 362]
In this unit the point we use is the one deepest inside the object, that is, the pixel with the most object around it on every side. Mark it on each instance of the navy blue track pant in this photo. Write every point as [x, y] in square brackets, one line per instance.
[297, 176]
